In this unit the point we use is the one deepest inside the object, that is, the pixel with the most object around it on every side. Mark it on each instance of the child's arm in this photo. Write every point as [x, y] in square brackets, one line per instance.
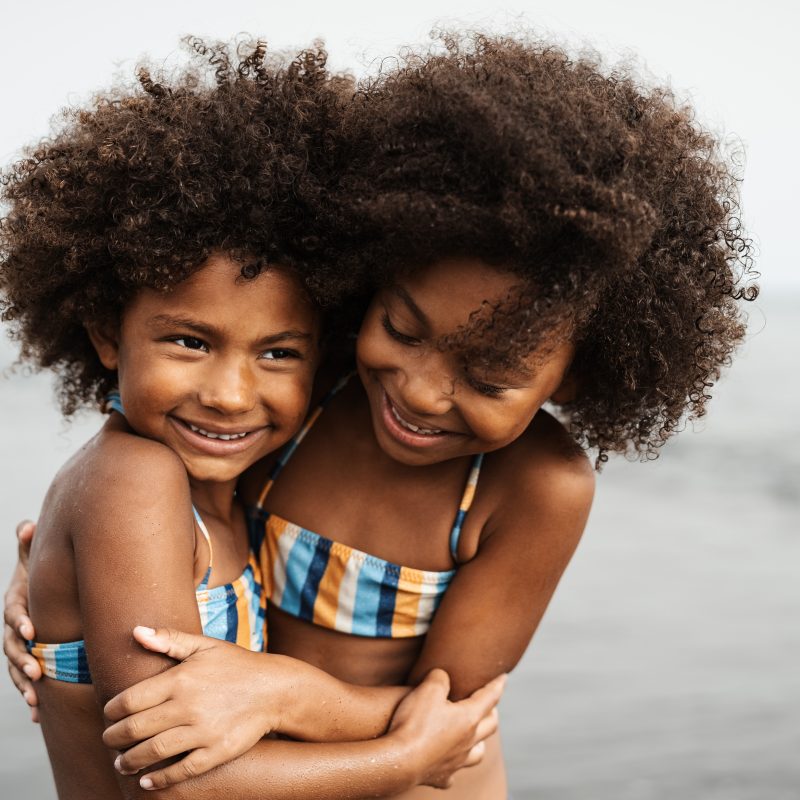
[134, 560]
[544, 499]
[544, 490]
[23, 668]
[307, 703]
[319, 707]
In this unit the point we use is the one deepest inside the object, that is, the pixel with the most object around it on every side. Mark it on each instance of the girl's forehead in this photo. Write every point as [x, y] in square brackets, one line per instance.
[485, 315]
[449, 291]
[219, 292]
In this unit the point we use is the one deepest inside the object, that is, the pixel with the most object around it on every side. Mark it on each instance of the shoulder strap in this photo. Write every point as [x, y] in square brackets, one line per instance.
[292, 444]
[200, 524]
[113, 403]
[466, 502]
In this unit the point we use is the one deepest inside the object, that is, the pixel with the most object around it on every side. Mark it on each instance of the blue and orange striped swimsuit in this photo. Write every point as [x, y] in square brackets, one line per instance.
[234, 612]
[331, 584]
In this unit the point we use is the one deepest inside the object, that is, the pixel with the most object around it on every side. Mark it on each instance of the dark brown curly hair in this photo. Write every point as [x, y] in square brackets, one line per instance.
[617, 211]
[136, 190]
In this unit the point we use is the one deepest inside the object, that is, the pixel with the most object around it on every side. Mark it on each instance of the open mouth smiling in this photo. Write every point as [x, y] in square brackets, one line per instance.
[215, 440]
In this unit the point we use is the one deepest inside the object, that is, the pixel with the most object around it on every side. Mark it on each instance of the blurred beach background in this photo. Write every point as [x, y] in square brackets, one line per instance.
[667, 664]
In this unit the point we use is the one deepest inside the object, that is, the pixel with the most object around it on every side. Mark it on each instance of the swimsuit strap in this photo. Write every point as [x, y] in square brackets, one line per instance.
[292, 445]
[113, 403]
[466, 498]
[200, 524]
[466, 502]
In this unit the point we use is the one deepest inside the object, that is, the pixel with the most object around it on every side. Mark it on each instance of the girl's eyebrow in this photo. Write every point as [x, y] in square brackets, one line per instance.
[170, 321]
[210, 331]
[412, 306]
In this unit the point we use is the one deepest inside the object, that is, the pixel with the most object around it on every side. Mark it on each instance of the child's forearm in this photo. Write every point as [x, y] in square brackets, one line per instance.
[320, 708]
[298, 771]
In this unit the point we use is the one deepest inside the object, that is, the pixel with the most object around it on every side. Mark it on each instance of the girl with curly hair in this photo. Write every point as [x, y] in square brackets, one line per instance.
[131, 265]
[538, 229]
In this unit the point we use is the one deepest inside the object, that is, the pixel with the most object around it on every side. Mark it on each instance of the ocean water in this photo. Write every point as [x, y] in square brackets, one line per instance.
[667, 664]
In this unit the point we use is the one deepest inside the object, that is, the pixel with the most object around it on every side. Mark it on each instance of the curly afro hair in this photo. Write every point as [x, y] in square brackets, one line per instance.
[137, 189]
[617, 211]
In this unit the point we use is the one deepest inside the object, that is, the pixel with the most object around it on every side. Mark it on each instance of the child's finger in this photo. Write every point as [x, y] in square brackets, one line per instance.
[483, 700]
[173, 643]
[487, 726]
[475, 755]
[15, 615]
[18, 655]
[165, 745]
[437, 680]
[21, 681]
[136, 728]
[25, 531]
[148, 693]
[196, 763]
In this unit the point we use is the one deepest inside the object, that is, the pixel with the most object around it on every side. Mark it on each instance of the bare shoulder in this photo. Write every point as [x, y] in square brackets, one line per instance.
[544, 475]
[119, 473]
[546, 459]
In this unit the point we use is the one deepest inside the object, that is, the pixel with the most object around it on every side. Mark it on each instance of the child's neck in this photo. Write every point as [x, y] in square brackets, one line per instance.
[214, 497]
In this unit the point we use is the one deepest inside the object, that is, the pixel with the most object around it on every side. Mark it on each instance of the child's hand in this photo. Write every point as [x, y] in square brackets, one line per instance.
[448, 736]
[184, 708]
[22, 666]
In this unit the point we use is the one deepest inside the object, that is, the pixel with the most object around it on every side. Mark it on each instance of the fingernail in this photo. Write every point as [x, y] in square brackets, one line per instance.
[146, 783]
[146, 631]
[28, 670]
[119, 768]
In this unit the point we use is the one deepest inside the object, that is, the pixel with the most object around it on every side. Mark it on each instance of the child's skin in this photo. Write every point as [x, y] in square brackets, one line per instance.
[531, 506]
[602, 200]
[228, 356]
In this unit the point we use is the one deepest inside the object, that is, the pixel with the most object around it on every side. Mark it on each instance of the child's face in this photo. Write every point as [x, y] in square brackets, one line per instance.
[426, 407]
[219, 368]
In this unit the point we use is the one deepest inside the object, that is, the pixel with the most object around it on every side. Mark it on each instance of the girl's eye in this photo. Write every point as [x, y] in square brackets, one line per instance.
[395, 334]
[487, 389]
[190, 342]
[279, 354]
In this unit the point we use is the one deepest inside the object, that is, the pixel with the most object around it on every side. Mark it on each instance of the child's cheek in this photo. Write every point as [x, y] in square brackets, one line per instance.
[372, 349]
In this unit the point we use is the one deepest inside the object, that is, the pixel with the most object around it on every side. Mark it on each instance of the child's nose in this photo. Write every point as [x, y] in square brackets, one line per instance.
[428, 388]
[230, 388]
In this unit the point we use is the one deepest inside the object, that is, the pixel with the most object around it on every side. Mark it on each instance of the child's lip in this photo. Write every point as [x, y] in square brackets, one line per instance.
[216, 446]
[404, 435]
[211, 427]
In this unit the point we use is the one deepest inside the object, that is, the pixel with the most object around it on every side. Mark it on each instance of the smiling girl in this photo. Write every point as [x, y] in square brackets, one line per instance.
[133, 267]
[540, 229]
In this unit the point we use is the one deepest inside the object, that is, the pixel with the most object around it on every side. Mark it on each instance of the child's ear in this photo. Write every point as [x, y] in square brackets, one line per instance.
[106, 344]
[567, 390]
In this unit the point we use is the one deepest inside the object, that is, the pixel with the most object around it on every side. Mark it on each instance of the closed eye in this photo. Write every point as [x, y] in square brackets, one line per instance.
[396, 334]
[486, 389]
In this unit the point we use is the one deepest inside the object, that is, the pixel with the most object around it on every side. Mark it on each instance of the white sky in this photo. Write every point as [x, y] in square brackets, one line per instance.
[738, 61]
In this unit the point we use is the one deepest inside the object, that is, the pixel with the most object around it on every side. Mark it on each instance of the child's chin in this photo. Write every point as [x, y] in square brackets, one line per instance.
[215, 470]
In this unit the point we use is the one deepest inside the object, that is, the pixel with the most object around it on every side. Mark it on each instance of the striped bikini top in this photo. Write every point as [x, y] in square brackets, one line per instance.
[234, 612]
[333, 585]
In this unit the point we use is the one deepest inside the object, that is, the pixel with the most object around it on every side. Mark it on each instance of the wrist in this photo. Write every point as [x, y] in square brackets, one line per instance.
[408, 757]
[272, 693]
[292, 695]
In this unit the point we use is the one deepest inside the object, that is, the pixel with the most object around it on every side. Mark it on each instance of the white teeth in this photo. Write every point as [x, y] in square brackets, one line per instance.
[224, 436]
[410, 426]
